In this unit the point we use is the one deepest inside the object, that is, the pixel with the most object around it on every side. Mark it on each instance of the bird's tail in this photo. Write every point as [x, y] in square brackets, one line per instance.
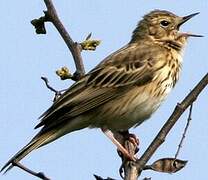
[39, 140]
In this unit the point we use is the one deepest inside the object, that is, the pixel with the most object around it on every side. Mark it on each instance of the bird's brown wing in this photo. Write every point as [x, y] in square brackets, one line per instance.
[109, 80]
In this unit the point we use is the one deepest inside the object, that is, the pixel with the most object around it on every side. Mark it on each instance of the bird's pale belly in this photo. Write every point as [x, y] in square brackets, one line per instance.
[126, 113]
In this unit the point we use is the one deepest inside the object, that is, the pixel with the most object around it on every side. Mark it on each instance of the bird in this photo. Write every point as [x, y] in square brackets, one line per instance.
[124, 89]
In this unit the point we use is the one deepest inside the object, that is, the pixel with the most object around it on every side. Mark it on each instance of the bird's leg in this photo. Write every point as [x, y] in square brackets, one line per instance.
[120, 147]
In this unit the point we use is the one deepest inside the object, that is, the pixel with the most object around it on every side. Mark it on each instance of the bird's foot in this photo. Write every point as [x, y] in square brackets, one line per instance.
[120, 147]
[131, 138]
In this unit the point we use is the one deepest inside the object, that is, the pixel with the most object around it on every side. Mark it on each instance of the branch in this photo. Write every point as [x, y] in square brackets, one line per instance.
[185, 131]
[130, 170]
[57, 93]
[39, 174]
[74, 47]
[178, 111]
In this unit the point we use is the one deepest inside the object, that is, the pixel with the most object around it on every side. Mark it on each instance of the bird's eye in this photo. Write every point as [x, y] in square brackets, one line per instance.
[164, 23]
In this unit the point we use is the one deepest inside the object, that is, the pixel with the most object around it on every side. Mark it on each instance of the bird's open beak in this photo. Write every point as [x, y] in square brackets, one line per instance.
[186, 18]
[183, 20]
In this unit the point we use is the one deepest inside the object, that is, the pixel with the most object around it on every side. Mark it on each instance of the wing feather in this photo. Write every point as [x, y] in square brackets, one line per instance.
[109, 80]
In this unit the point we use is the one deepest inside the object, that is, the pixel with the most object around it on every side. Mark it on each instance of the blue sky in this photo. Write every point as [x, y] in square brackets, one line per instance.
[25, 57]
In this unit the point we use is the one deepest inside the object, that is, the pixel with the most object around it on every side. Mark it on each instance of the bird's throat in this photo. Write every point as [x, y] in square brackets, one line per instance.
[171, 44]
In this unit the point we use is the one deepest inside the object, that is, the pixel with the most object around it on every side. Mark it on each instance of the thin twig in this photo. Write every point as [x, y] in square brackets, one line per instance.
[45, 79]
[185, 131]
[179, 109]
[57, 93]
[74, 47]
[39, 174]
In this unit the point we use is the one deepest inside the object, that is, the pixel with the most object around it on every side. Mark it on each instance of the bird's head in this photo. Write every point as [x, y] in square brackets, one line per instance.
[162, 25]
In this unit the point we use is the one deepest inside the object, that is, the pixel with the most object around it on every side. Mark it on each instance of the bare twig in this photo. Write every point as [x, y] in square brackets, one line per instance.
[179, 109]
[57, 93]
[39, 174]
[185, 131]
[74, 47]
[48, 86]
